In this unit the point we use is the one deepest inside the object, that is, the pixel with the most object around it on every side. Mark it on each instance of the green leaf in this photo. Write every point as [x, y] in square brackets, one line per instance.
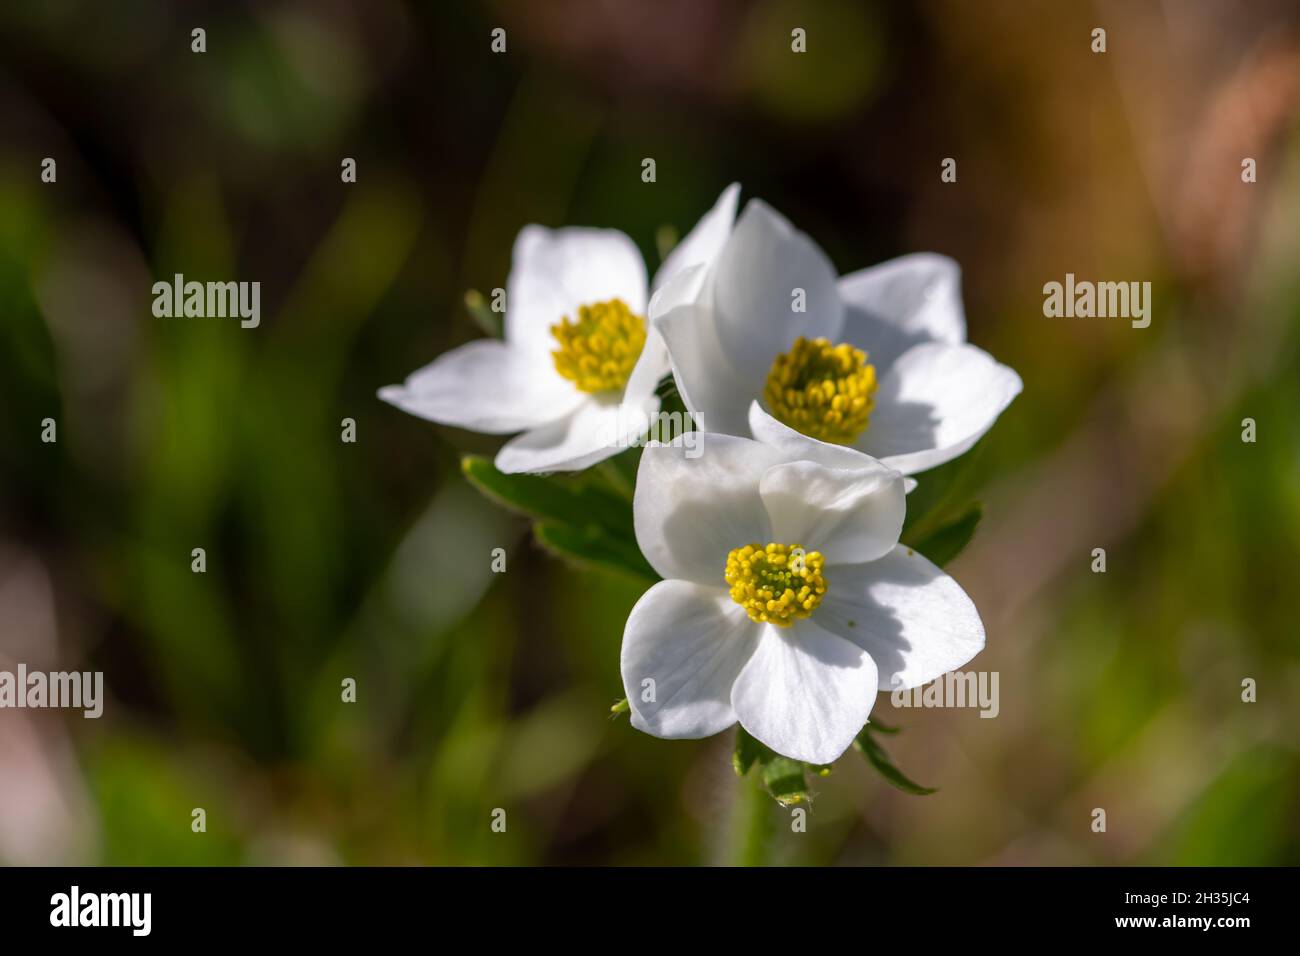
[784, 779]
[877, 757]
[748, 750]
[944, 544]
[490, 322]
[940, 495]
[567, 500]
[594, 547]
[576, 517]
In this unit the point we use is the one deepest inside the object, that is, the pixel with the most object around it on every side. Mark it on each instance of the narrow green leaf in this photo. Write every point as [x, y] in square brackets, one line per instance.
[490, 322]
[549, 498]
[877, 757]
[944, 544]
[595, 548]
[880, 728]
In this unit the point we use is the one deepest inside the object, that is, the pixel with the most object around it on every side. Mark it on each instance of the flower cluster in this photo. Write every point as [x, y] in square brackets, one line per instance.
[784, 599]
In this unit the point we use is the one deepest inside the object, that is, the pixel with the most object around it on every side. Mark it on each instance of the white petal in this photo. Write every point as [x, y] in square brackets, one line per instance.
[913, 619]
[651, 366]
[935, 403]
[796, 446]
[554, 271]
[711, 388]
[685, 288]
[703, 243]
[692, 641]
[903, 302]
[596, 431]
[691, 511]
[757, 273]
[882, 341]
[805, 692]
[849, 515]
[486, 386]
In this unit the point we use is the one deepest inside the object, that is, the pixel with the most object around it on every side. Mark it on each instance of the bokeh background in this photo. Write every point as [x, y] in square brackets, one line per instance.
[370, 560]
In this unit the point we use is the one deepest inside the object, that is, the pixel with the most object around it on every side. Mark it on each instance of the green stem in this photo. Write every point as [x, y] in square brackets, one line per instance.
[752, 823]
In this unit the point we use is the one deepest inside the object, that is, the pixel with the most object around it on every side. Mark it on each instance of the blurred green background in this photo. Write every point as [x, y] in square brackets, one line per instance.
[372, 560]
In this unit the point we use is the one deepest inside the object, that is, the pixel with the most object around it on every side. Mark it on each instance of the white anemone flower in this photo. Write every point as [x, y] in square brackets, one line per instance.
[578, 368]
[787, 601]
[876, 360]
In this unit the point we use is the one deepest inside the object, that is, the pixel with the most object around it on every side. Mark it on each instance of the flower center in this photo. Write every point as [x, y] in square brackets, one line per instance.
[822, 390]
[777, 584]
[598, 352]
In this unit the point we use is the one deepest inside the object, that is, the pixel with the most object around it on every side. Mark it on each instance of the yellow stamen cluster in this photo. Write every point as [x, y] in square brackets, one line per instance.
[777, 584]
[598, 351]
[823, 390]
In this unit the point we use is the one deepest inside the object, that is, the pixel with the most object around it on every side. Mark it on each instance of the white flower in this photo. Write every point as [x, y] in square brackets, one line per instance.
[578, 369]
[793, 639]
[876, 360]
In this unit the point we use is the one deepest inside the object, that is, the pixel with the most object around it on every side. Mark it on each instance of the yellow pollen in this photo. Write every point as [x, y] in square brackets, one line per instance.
[598, 352]
[777, 584]
[823, 390]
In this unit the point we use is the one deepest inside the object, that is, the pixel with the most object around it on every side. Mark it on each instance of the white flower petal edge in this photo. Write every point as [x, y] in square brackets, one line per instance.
[591, 434]
[695, 253]
[796, 445]
[466, 388]
[713, 391]
[911, 617]
[805, 692]
[769, 431]
[692, 642]
[935, 403]
[903, 302]
[703, 243]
